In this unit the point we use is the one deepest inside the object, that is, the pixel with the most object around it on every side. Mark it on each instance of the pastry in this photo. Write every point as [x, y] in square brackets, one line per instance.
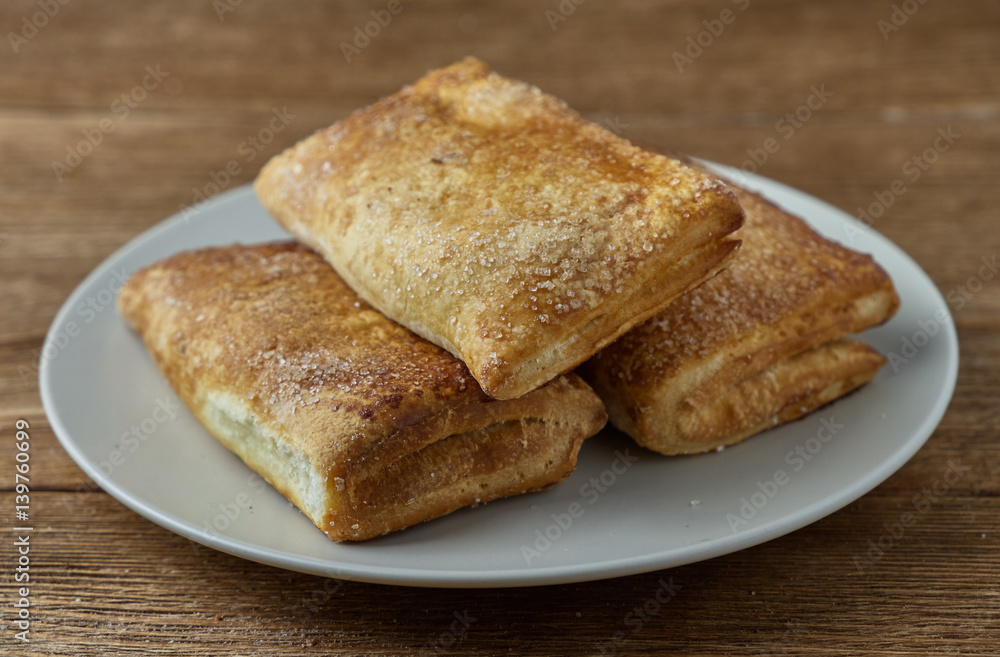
[760, 344]
[366, 427]
[495, 222]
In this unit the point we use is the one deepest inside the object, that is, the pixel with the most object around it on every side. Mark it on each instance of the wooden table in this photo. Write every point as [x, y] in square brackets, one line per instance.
[106, 581]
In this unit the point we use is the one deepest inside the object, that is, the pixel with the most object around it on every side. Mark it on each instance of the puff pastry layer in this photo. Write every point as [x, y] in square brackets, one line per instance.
[363, 425]
[758, 345]
[492, 220]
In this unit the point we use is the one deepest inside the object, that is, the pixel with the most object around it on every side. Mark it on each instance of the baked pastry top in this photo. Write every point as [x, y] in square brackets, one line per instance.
[366, 427]
[492, 220]
[759, 344]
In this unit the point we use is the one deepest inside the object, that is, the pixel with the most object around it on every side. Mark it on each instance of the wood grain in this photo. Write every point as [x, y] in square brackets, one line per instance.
[106, 581]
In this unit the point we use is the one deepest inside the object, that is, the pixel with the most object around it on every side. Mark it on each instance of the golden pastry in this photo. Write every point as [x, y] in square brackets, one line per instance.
[760, 344]
[492, 220]
[363, 425]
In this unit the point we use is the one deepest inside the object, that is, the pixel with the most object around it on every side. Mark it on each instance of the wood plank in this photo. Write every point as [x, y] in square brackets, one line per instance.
[604, 56]
[147, 587]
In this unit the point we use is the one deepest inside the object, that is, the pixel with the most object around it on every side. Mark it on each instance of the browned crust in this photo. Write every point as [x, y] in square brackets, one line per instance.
[789, 293]
[494, 221]
[784, 392]
[347, 413]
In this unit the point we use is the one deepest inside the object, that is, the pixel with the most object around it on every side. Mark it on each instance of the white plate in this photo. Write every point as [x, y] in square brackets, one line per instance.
[97, 382]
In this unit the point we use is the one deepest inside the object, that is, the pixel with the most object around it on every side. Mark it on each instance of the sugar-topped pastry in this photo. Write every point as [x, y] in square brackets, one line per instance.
[760, 344]
[366, 427]
[494, 221]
